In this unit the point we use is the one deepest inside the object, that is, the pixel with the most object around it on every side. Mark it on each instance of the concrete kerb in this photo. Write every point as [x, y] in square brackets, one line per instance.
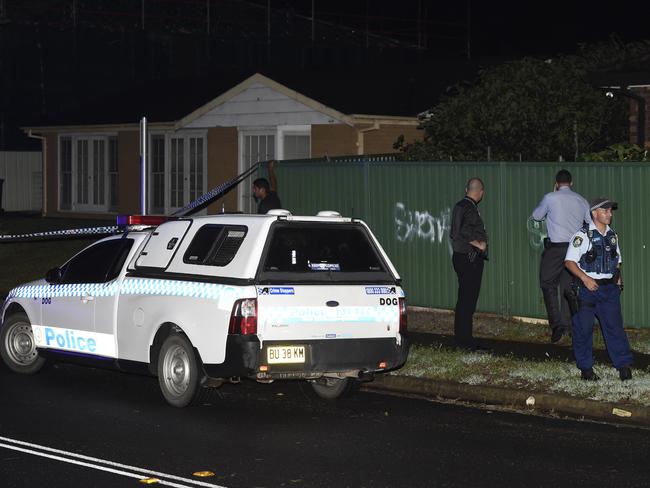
[515, 399]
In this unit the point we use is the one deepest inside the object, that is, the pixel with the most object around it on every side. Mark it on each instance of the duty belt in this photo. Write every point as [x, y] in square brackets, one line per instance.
[606, 281]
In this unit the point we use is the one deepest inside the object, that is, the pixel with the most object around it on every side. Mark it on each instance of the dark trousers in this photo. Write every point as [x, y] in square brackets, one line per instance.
[604, 303]
[469, 286]
[553, 273]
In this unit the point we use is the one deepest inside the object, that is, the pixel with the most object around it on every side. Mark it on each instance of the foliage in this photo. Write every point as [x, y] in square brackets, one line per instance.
[619, 152]
[530, 109]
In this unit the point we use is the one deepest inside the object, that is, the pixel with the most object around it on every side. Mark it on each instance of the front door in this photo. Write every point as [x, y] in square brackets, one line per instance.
[254, 147]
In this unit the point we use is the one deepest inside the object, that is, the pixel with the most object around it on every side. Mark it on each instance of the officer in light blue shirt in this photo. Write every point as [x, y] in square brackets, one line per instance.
[594, 257]
[564, 211]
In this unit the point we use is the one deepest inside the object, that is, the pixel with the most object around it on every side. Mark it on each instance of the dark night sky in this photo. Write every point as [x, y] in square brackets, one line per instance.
[548, 28]
[499, 30]
[526, 27]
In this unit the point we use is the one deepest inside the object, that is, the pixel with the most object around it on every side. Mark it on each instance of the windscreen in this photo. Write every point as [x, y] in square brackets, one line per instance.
[317, 252]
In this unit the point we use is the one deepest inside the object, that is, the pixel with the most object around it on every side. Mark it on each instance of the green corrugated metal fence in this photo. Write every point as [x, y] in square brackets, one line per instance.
[408, 205]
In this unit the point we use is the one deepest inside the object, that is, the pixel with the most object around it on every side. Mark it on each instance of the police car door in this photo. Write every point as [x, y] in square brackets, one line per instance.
[69, 314]
[106, 301]
[325, 281]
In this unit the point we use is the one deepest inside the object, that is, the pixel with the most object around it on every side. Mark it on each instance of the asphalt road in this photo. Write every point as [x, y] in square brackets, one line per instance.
[116, 428]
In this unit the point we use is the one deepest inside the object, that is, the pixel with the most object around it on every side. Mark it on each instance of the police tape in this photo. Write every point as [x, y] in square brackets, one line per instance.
[102, 231]
[214, 194]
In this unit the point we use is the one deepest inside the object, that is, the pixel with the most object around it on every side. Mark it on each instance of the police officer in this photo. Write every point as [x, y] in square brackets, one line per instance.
[564, 211]
[594, 257]
[266, 193]
[469, 243]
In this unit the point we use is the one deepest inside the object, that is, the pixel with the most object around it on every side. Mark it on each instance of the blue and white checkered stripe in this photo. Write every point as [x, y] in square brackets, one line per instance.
[192, 289]
[67, 290]
[137, 286]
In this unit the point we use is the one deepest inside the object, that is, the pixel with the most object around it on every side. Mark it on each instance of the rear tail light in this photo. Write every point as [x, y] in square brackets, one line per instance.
[402, 316]
[243, 319]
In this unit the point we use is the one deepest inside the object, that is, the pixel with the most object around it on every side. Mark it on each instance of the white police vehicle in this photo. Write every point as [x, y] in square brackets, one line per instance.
[203, 300]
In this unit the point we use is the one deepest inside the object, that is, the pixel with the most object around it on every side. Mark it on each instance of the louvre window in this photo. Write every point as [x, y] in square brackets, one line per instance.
[215, 245]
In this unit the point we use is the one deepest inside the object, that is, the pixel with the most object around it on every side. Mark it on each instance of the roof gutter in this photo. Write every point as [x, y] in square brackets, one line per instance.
[44, 167]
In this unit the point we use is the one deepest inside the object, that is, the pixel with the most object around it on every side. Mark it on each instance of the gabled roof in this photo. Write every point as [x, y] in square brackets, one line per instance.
[261, 79]
[383, 93]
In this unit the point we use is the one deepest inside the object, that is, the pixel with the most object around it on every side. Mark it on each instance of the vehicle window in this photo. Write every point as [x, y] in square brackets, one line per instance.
[215, 245]
[99, 263]
[322, 252]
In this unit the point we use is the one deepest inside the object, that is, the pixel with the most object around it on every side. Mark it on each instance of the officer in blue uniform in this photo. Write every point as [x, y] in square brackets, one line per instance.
[594, 257]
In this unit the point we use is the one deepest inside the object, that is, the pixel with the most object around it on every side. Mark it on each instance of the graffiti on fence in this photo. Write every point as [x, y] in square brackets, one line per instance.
[420, 224]
[536, 233]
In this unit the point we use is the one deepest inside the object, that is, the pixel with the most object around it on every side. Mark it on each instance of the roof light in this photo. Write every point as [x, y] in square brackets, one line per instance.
[278, 211]
[124, 220]
[328, 213]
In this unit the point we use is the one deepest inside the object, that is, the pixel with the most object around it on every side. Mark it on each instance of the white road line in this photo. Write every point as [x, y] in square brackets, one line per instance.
[60, 457]
[88, 465]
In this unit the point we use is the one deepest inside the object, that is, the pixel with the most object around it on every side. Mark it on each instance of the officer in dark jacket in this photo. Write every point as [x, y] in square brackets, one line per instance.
[594, 257]
[266, 193]
[469, 243]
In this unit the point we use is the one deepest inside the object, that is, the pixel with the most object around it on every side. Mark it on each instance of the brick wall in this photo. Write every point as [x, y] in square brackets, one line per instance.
[51, 179]
[128, 167]
[381, 141]
[333, 140]
[222, 164]
[634, 115]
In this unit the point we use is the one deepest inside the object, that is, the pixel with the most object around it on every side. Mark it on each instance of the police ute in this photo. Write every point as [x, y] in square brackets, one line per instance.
[206, 300]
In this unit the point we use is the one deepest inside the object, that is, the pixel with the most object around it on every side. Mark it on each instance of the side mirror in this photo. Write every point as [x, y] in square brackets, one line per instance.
[53, 275]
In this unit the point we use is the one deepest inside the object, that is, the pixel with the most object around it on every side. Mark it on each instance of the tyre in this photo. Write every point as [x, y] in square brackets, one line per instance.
[333, 388]
[179, 374]
[17, 345]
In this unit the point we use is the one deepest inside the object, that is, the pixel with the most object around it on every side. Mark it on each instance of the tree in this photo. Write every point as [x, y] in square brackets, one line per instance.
[530, 109]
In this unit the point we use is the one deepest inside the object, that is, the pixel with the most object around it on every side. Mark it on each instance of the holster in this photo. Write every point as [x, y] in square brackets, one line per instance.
[571, 294]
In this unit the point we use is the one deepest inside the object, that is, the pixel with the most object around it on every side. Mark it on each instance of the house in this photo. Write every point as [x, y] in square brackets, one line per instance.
[197, 140]
[634, 86]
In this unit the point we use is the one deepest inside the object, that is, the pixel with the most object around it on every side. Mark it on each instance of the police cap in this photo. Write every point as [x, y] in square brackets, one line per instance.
[602, 203]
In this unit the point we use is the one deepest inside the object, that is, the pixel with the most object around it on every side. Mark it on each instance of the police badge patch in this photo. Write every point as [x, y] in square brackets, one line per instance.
[613, 241]
[577, 241]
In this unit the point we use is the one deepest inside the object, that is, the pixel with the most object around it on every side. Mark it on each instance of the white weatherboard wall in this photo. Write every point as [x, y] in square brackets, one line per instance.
[22, 173]
[261, 106]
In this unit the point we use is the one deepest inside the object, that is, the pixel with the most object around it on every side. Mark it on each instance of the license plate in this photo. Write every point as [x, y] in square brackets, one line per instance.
[285, 354]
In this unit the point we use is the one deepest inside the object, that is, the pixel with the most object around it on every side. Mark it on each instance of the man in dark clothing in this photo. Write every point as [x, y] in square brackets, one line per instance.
[469, 243]
[265, 193]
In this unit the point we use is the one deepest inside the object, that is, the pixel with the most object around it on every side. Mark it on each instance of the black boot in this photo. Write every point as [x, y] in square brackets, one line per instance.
[625, 373]
[589, 375]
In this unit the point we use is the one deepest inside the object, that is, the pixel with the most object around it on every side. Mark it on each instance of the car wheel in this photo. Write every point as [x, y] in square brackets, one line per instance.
[178, 371]
[17, 345]
[333, 388]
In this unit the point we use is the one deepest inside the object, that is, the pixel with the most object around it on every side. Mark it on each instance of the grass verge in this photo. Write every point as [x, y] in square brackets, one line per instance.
[550, 376]
[494, 327]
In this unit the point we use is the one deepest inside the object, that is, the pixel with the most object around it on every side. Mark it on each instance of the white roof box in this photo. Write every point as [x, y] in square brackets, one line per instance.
[278, 211]
[328, 213]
